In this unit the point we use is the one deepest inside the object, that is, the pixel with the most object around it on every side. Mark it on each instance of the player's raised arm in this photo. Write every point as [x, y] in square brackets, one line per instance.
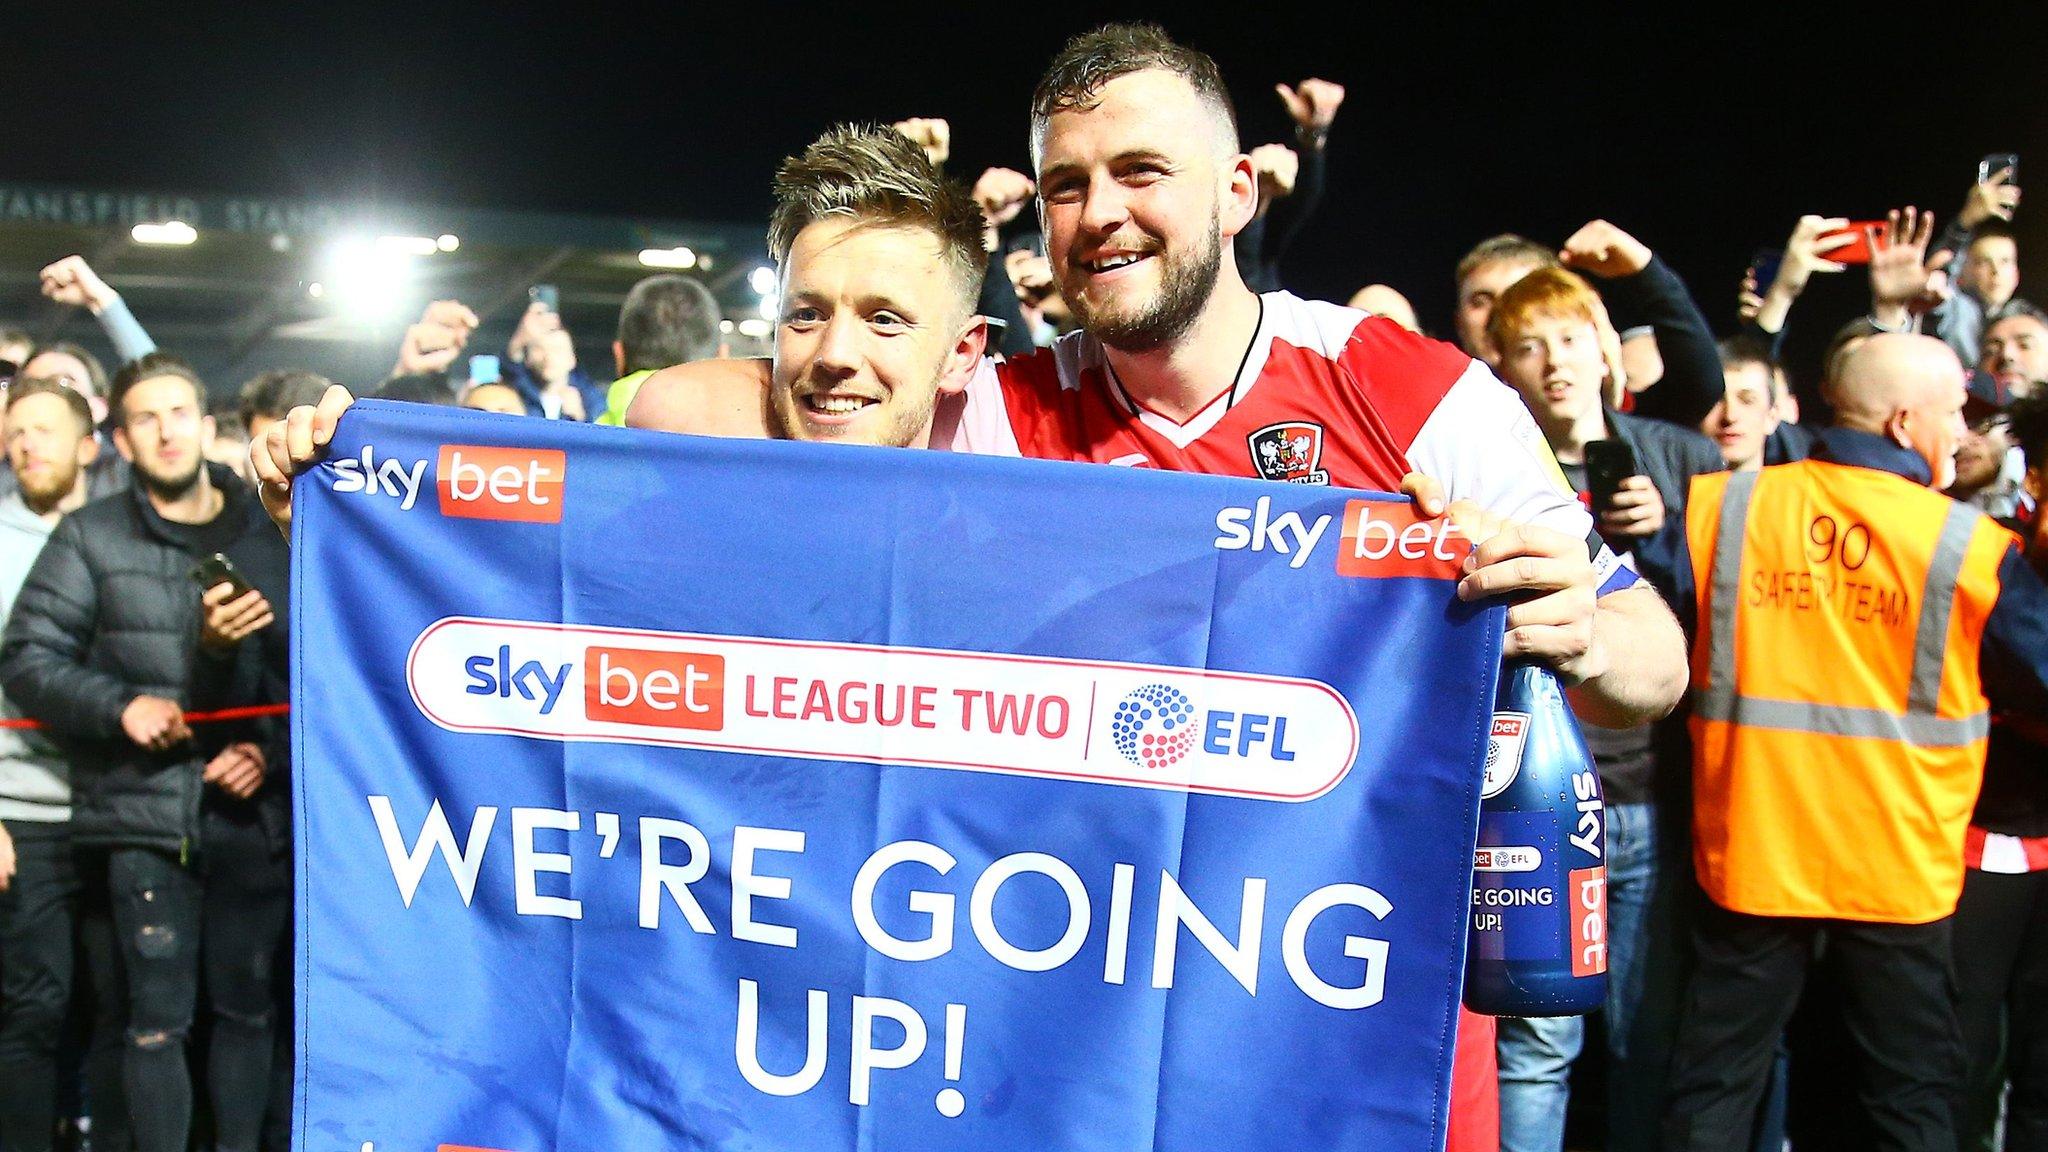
[707, 398]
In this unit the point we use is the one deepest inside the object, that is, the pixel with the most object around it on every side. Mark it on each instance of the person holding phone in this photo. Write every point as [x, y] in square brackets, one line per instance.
[1558, 349]
[540, 363]
[179, 821]
[1777, 278]
[1984, 260]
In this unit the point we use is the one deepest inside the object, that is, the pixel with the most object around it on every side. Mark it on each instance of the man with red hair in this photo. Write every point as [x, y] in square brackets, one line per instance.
[1558, 350]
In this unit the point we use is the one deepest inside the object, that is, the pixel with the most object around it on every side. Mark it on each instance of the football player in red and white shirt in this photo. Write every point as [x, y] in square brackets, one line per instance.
[1181, 366]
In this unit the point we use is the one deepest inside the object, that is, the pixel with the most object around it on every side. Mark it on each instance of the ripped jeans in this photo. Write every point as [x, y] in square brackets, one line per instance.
[242, 904]
[158, 906]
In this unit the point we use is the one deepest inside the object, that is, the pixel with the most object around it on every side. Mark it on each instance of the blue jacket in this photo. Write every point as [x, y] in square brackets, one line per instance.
[521, 380]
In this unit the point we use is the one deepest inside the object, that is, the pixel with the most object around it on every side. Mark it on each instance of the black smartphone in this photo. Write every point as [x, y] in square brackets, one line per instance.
[1998, 162]
[547, 296]
[1608, 463]
[1765, 262]
[217, 569]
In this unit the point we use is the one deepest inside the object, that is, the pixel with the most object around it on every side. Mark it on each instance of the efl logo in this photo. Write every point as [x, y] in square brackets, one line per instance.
[1157, 726]
[1588, 913]
[656, 689]
[521, 484]
[1512, 858]
[1388, 539]
[1144, 726]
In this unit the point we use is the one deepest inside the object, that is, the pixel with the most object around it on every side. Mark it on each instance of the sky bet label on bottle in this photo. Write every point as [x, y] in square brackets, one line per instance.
[1533, 899]
[1538, 943]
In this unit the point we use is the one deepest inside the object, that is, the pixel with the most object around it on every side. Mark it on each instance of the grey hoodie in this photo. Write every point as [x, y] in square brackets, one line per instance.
[35, 783]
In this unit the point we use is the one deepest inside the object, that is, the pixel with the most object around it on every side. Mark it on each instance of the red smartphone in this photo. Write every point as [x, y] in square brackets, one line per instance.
[1858, 250]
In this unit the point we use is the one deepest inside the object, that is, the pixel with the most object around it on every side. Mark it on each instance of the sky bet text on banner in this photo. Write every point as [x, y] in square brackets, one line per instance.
[660, 792]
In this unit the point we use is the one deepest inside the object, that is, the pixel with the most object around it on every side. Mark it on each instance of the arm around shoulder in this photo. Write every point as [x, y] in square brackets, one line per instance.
[705, 398]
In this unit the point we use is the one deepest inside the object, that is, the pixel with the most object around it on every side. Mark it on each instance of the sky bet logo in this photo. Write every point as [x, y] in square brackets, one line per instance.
[474, 482]
[657, 689]
[620, 685]
[1257, 529]
[495, 675]
[372, 477]
[1377, 539]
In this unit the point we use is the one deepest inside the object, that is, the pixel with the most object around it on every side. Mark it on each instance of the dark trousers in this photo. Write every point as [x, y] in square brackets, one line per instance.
[173, 926]
[157, 902]
[1898, 1004]
[2001, 958]
[45, 921]
[247, 911]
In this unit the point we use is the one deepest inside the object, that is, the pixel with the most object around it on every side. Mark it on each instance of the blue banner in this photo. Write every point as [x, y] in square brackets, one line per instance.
[661, 792]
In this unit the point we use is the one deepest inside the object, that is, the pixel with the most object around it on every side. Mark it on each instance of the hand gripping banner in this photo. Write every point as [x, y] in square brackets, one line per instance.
[661, 792]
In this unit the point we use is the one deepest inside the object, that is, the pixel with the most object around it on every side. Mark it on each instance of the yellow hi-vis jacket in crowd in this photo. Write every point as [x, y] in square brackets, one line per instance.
[1838, 721]
[619, 397]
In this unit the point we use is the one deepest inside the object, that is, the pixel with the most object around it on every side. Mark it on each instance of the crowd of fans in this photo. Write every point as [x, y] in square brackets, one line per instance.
[145, 872]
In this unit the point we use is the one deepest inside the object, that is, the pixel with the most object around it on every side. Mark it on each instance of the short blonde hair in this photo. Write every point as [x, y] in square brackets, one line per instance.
[878, 176]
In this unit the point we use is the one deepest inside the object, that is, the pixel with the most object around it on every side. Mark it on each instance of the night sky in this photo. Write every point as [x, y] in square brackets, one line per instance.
[1704, 135]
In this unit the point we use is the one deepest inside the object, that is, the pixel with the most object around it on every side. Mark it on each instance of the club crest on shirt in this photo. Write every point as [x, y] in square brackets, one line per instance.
[1290, 452]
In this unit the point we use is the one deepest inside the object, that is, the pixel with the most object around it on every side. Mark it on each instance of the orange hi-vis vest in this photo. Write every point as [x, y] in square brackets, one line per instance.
[1838, 721]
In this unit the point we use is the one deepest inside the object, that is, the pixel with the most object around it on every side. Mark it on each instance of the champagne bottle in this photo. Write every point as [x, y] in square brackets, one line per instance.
[1538, 939]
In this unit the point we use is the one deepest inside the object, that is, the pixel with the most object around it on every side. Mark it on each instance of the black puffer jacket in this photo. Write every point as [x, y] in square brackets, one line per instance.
[1670, 456]
[109, 613]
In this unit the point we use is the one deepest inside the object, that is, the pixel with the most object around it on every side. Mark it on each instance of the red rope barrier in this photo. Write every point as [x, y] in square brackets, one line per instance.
[248, 712]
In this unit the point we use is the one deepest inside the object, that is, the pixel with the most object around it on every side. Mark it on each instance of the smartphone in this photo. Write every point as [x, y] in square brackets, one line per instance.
[1765, 262]
[547, 296]
[485, 370]
[1608, 463]
[1998, 162]
[217, 569]
[1858, 250]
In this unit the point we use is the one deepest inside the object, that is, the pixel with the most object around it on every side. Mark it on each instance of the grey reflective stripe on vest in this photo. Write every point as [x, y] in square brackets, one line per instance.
[1919, 725]
[1727, 586]
[1937, 600]
[1924, 730]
